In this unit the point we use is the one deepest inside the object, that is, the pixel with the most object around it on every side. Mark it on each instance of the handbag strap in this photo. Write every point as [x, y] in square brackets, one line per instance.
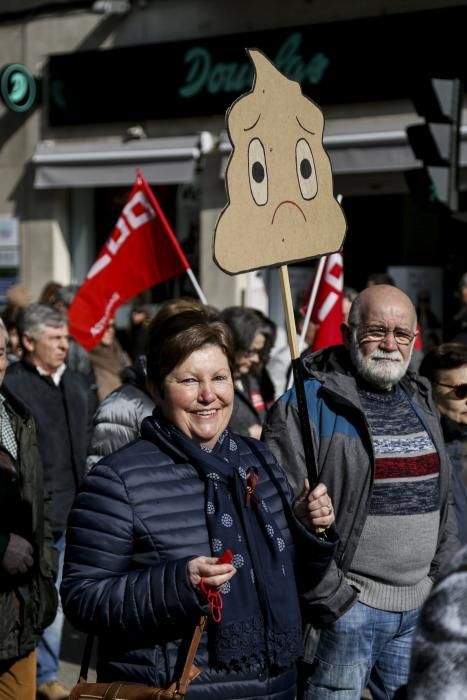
[185, 679]
[85, 661]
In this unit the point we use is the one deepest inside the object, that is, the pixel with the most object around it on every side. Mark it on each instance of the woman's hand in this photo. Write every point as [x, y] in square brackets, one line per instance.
[314, 508]
[214, 574]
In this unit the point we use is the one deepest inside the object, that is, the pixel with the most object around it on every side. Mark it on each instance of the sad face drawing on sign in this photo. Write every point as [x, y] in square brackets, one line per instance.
[281, 204]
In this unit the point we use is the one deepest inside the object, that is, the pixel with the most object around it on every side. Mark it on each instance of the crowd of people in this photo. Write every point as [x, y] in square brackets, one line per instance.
[161, 477]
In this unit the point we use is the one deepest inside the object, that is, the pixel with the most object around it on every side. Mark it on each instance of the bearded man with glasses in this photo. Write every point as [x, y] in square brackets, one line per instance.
[380, 451]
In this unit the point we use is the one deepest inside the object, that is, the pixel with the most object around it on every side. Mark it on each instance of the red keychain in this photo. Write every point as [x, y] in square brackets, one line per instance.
[225, 558]
[214, 598]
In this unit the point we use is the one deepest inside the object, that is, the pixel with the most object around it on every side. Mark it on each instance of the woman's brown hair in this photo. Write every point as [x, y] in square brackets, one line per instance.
[445, 356]
[171, 340]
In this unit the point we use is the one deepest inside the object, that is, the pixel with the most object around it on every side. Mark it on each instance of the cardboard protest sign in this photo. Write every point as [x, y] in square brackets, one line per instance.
[281, 204]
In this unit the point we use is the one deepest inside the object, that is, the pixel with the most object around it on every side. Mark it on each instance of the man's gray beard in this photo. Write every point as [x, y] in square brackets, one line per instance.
[381, 373]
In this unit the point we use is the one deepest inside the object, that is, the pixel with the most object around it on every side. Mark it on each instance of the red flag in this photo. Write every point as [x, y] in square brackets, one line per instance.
[418, 345]
[141, 251]
[327, 311]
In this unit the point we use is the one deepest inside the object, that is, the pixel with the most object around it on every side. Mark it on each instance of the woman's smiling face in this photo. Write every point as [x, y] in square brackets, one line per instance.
[198, 395]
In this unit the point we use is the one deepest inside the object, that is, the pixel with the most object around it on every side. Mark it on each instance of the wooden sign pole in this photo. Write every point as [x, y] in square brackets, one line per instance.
[297, 369]
[281, 204]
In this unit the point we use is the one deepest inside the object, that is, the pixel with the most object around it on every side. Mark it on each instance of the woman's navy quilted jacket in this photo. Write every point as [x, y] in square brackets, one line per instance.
[137, 521]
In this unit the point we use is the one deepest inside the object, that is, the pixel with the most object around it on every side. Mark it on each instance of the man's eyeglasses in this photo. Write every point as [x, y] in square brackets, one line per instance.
[459, 390]
[376, 334]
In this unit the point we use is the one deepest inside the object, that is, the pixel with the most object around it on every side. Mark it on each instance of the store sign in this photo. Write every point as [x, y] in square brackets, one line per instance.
[205, 74]
[342, 62]
[17, 87]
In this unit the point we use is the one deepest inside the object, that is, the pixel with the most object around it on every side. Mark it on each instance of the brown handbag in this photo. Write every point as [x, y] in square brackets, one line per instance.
[119, 690]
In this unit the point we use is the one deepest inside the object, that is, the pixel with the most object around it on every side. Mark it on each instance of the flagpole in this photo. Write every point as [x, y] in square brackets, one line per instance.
[309, 310]
[170, 232]
[312, 299]
[314, 290]
[195, 284]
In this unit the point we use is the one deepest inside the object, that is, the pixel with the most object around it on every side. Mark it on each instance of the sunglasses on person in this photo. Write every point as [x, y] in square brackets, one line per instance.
[460, 390]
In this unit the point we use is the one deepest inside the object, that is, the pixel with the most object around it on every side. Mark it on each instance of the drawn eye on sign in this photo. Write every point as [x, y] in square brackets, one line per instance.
[281, 207]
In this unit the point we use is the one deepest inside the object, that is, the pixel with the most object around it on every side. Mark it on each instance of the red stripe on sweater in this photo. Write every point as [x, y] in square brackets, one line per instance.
[403, 467]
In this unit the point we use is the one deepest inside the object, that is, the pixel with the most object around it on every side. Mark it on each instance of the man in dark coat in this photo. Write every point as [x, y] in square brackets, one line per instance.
[28, 599]
[61, 402]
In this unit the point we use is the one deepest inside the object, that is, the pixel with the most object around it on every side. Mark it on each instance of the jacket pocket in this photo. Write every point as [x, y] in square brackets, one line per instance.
[47, 601]
[11, 619]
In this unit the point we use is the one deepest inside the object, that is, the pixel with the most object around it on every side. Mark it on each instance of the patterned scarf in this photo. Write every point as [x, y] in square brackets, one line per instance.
[7, 435]
[261, 622]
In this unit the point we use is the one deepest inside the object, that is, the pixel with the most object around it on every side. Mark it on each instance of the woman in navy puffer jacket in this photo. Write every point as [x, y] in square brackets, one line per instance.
[151, 521]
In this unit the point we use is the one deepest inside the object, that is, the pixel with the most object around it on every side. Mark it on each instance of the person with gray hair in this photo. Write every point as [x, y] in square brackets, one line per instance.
[62, 405]
[36, 317]
[379, 449]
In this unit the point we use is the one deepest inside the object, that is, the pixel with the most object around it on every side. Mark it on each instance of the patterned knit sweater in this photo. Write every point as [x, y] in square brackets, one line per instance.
[399, 539]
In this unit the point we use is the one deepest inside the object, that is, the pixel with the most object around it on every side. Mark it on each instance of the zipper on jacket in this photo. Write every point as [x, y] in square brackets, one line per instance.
[341, 562]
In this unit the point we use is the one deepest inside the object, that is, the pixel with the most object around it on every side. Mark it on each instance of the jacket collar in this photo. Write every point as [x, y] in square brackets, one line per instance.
[56, 376]
[14, 404]
[333, 367]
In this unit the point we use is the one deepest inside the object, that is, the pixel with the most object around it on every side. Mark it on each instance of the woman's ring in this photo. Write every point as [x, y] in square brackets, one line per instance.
[329, 509]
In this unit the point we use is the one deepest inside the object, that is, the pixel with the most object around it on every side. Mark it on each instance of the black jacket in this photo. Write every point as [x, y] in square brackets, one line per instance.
[28, 602]
[455, 436]
[63, 417]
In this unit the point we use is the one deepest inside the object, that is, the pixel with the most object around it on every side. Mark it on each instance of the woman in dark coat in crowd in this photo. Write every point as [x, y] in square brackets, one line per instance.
[250, 333]
[152, 519]
[446, 368]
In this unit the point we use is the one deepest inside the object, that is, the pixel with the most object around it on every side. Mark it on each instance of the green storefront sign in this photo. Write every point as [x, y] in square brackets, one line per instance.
[18, 88]
[336, 63]
[203, 73]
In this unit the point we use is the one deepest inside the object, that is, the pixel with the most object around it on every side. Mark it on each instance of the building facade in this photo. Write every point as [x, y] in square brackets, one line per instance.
[145, 84]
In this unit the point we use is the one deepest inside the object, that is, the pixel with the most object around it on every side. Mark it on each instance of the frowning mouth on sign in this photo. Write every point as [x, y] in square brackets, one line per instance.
[287, 201]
